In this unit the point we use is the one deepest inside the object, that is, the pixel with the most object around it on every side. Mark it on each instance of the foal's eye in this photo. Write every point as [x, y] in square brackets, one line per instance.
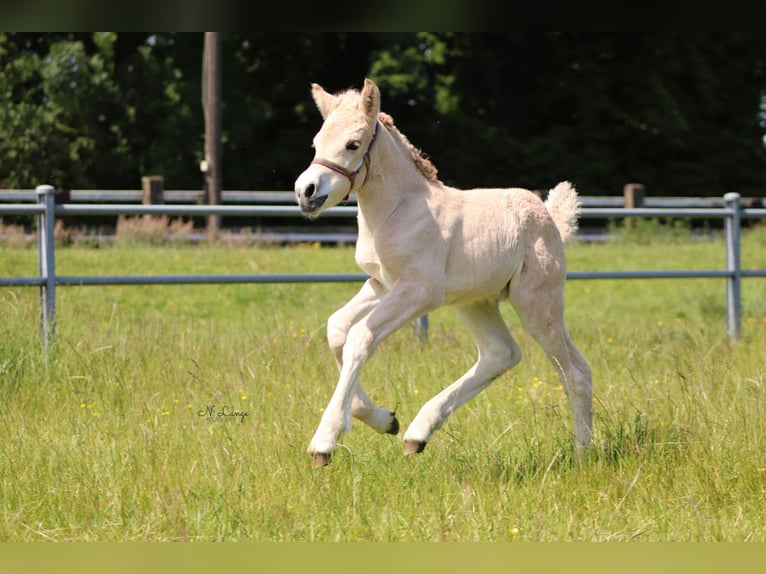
[353, 145]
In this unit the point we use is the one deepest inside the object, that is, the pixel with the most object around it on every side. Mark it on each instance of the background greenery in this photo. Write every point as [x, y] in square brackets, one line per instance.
[682, 113]
[102, 439]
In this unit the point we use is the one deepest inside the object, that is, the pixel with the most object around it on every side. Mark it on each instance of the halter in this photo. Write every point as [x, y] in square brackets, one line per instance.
[351, 175]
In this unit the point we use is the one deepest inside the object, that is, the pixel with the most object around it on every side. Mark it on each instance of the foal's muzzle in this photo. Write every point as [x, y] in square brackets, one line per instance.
[309, 203]
[309, 193]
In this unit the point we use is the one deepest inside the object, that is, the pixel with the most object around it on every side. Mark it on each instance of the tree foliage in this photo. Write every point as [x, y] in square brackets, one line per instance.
[683, 114]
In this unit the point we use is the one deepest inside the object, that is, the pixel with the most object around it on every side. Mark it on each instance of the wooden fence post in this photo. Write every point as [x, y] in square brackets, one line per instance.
[634, 195]
[153, 187]
[212, 96]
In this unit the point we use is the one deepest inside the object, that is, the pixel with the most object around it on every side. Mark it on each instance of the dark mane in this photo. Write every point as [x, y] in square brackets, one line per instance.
[420, 160]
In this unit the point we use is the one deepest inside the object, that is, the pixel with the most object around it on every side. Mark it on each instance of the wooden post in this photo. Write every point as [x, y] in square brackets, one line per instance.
[634, 195]
[153, 187]
[211, 103]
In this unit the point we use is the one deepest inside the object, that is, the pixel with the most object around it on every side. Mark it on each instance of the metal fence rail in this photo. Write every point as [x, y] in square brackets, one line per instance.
[47, 279]
[253, 197]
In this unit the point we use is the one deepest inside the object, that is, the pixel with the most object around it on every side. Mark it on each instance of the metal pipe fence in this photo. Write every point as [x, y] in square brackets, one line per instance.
[47, 280]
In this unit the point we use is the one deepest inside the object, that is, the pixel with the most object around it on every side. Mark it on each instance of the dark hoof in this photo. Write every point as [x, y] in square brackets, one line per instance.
[394, 428]
[320, 459]
[413, 447]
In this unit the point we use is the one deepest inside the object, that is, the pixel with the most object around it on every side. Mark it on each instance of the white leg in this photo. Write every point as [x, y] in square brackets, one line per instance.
[403, 303]
[365, 410]
[498, 352]
[344, 318]
[542, 313]
[338, 325]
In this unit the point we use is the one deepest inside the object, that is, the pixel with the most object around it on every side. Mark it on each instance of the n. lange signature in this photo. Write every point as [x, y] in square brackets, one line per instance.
[224, 413]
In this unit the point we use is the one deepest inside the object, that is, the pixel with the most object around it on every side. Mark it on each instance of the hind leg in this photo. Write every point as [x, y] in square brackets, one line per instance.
[498, 352]
[542, 313]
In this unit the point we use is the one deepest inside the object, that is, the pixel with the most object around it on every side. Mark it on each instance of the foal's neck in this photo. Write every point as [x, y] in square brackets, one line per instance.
[394, 180]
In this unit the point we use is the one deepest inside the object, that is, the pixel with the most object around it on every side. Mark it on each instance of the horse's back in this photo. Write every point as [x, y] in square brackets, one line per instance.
[504, 236]
[484, 239]
[513, 215]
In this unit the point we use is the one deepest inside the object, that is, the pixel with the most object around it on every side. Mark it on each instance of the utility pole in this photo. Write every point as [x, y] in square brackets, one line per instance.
[211, 104]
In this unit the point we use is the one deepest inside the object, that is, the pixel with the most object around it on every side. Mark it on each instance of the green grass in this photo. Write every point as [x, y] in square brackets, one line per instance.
[107, 438]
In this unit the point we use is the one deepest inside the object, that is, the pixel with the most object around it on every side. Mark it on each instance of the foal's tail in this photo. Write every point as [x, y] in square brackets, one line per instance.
[564, 207]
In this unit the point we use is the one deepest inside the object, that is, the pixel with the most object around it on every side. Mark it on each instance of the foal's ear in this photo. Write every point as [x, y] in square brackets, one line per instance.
[370, 102]
[325, 102]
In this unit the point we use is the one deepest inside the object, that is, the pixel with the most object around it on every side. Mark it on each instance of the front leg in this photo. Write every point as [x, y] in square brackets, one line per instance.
[338, 326]
[407, 300]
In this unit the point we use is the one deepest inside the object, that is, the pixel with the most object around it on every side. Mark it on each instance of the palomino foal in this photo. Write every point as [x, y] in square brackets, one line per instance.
[425, 245]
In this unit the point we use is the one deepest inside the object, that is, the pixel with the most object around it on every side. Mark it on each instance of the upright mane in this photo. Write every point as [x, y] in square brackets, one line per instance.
[420, 160]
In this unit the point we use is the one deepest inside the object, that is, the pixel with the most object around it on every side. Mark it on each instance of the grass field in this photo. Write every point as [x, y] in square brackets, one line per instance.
[115, 434]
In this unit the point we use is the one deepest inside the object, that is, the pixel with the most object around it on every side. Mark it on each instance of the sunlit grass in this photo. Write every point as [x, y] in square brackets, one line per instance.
[116, 434]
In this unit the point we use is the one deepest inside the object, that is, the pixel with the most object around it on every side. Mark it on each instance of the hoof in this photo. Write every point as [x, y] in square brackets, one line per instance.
[413, 447]
[320, 459]
[394, 428]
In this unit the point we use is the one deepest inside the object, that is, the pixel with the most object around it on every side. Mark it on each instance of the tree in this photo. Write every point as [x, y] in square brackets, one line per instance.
[82, 111]
[682, 114]
[678, 113]
[55, 117]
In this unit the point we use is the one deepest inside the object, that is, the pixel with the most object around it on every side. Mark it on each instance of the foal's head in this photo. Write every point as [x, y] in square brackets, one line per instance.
[342, 147]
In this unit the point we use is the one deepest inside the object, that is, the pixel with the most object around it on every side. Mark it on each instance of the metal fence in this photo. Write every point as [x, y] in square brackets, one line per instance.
[47, 280]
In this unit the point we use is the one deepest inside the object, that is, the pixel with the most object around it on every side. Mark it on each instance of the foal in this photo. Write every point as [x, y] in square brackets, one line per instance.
[425, 245]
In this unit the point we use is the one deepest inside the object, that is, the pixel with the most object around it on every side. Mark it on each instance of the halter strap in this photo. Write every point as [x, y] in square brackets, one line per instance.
[351, 175]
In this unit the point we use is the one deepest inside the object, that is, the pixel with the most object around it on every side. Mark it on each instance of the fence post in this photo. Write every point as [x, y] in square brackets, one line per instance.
[633, 194]
[421, 328]
[46, 222]
[153, 188]
[734, 282]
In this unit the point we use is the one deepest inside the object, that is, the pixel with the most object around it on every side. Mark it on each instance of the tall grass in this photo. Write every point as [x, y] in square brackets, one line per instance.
[115, 434]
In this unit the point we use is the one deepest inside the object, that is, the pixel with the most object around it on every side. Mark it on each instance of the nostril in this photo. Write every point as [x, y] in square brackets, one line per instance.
[310, 191]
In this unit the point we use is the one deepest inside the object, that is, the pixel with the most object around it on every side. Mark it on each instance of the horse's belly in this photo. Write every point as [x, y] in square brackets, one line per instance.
[480, 265]
[466, 287]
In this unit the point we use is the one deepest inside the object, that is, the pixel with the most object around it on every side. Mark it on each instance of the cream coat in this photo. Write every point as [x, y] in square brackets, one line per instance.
[425, 245]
